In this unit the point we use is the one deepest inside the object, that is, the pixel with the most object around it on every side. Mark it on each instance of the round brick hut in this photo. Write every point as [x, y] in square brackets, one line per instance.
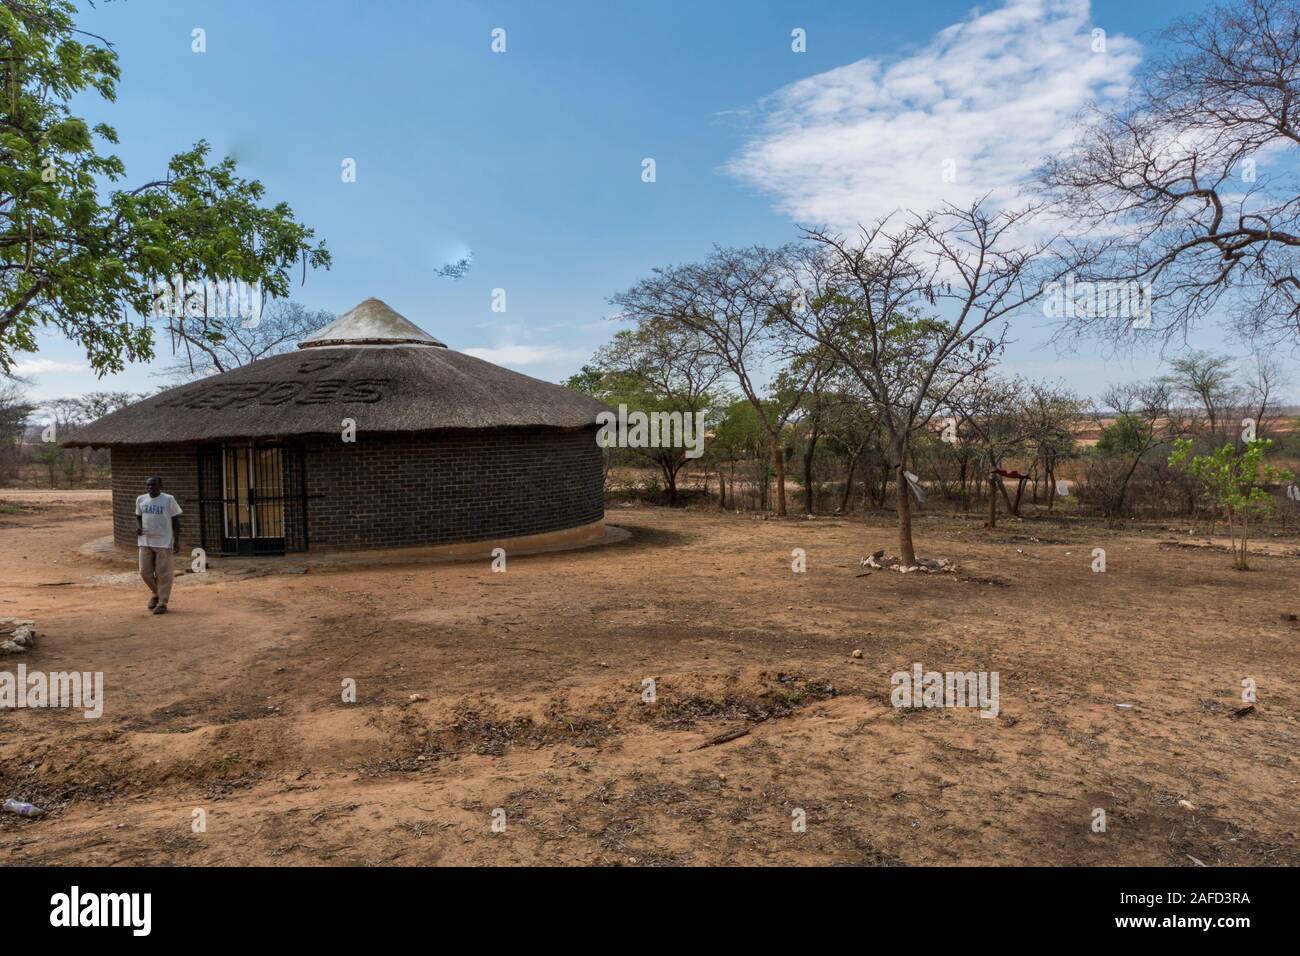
[373, 434]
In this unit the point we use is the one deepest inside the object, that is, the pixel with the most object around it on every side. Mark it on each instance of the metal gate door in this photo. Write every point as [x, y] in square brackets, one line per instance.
[252, 499]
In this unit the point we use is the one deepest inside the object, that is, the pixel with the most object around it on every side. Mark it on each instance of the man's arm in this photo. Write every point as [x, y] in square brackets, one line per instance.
[176, 534]
[139, 519]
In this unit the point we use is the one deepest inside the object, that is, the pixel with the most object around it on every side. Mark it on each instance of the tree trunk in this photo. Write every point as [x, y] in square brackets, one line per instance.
[778, 460]
[848, 482]
[1020, 492]
[906, 551]
[670, 481]
[1245, 533]
[1006, 496]
[1123, 488]
[993, 501]
[809, 494]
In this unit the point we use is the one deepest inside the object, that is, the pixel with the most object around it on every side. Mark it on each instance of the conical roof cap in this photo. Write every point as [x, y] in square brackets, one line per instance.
[371, 322]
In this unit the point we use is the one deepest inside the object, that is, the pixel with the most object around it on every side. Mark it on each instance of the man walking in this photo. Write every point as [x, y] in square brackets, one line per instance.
[158, 530]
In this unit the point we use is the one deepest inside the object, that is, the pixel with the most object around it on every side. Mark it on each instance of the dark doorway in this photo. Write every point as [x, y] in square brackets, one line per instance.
[252, 498]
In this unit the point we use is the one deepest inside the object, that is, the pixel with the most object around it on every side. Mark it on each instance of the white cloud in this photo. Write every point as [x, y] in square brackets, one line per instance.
[995, 93]
[510, 345]
[41, 366]
[516, 354]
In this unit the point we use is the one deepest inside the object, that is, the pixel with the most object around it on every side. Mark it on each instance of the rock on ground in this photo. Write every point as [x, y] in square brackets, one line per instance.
[878, 560]
[16, 635]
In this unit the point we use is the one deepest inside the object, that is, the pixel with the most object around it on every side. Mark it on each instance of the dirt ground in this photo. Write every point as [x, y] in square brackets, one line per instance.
[516, 698]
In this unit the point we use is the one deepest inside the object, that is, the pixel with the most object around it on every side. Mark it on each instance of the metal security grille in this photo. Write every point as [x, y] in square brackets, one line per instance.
[252, 498]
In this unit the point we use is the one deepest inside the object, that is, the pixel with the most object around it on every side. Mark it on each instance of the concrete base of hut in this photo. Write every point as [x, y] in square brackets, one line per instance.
[588, 536]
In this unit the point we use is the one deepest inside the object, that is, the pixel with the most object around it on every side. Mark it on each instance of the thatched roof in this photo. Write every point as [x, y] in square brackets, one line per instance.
[370, 365]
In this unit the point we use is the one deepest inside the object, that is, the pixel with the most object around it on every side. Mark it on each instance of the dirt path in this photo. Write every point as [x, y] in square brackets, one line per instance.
[521, 693]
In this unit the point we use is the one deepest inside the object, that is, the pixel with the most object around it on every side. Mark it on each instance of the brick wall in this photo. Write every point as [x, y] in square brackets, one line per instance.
[176, 465]
[397, 491]
[436, 489]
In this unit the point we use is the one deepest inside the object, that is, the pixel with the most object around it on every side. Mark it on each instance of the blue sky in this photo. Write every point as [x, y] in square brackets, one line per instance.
[533, 158]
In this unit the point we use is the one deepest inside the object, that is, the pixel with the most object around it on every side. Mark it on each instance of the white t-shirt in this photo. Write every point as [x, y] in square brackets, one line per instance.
[156, 517]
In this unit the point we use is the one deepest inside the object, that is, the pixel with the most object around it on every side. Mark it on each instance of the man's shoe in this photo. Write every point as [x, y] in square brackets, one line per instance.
[153, 603]
[160, 609]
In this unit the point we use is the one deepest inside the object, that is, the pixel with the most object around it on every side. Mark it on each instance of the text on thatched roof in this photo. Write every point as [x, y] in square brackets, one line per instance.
[326, 391]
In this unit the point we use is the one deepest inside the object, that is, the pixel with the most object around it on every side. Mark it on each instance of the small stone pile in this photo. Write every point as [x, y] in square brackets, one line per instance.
[16, 635]
[880, 562]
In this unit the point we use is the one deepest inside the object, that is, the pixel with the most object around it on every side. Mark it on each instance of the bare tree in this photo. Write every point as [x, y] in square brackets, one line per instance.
[865, 298]
[813, 413]
[992, 418]
[728, 300]
[15, 409]
[1265, 377]
[1223, 396]
[849, 423]
[69, 415]
[1052, 412]
[1199, 173]
[210, 345]
[1143, 421]
[1204, 380]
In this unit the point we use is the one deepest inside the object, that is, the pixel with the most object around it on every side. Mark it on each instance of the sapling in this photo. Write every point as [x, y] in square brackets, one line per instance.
[1233, 481]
